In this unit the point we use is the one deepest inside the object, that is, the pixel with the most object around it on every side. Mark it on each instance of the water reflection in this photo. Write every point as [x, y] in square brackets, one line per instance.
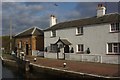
[7, 73]
[17, 74]
[11, 73]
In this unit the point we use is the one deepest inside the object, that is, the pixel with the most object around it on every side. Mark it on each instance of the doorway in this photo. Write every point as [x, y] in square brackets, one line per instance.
[66, 49]
[27, 49]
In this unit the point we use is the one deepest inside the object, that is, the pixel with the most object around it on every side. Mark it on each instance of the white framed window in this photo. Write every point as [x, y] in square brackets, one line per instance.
[113, 48]
[80, 48]
[53, 47]
[53, 33]
[115, 27]
[79, 30]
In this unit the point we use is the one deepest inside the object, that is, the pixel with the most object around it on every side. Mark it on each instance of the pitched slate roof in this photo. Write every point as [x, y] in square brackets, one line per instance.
[108, 18]
[64, 41]
[31, 31]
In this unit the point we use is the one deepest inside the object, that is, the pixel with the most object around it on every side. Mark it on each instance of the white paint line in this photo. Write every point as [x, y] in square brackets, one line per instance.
[2, 58]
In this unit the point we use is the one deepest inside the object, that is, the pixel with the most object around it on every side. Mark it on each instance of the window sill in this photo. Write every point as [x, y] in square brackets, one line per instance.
[79, 52]
[114, 31]
[113, 54]
[52, 36]
[79, 34]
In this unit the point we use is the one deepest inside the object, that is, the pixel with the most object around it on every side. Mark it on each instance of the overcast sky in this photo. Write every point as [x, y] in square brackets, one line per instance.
[28, 14]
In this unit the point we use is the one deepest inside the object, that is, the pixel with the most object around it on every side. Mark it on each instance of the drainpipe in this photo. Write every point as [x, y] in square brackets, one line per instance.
[58, 52]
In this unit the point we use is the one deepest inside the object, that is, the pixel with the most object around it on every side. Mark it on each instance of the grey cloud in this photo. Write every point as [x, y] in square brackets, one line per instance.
[23, 16]
[82, 10]
[30, 7]
[88, 10]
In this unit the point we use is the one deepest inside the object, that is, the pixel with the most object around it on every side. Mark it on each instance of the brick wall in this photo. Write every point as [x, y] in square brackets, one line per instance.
[34, 43]
[24, 41]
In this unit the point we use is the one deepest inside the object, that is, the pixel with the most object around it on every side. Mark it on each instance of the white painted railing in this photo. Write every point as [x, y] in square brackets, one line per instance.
[112, 59]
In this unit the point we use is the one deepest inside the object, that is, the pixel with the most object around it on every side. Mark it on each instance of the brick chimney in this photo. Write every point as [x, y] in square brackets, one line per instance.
[100, 10]
[53, 20]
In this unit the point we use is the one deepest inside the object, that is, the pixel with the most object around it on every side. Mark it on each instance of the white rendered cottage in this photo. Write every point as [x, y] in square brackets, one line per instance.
[100, 34]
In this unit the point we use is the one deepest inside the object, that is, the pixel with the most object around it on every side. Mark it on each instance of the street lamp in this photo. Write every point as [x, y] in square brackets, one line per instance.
[10, 34]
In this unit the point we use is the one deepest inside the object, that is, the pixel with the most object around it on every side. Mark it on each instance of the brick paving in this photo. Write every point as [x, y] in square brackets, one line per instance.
[111, 70]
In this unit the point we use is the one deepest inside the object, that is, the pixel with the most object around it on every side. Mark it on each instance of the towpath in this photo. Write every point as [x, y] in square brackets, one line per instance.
[109, 70]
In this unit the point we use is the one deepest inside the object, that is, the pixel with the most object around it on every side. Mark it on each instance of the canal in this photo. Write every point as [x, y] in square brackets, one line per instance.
[13, 73]
[17, 74]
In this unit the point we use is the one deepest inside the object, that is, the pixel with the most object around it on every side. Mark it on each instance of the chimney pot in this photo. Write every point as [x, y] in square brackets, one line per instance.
[100, 5]
[53, 20]
[100, 10]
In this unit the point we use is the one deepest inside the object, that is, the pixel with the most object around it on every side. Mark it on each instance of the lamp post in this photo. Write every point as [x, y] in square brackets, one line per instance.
[10, 34]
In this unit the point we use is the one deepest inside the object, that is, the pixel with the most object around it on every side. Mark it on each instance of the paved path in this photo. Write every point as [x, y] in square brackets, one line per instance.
[110, 70]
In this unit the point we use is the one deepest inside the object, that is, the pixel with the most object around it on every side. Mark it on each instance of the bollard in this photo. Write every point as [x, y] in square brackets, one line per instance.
[64, 65]
[35, 59]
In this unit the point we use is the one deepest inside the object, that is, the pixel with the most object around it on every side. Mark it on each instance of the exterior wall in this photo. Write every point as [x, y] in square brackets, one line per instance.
[33, 38]
[48, 40]
[40, 43]
[95, 37]
[35, 44]
[24, 41]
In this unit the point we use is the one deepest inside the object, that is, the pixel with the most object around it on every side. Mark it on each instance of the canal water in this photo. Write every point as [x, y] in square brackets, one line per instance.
[16, 74]
[13, 73]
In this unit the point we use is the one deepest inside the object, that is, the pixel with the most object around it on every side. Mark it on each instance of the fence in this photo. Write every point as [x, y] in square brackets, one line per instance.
[50, 55]
[37, 53]
[112, 59]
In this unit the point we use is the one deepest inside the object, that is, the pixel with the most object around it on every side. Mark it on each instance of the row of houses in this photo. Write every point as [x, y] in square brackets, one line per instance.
[93, 39]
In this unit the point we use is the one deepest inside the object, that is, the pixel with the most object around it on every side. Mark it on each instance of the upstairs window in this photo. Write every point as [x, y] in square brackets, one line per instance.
[113, 48]
[79, 30]
[115, 27]
[53, 33]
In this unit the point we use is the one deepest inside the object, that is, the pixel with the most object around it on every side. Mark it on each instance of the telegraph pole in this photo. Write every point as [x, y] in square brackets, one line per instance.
[10, 34]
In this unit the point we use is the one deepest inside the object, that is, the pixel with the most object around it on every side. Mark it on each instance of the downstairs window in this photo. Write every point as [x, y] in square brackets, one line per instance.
[113, 48]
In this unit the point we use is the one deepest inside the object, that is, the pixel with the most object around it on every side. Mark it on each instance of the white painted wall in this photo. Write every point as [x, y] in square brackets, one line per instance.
[50, 55]
[95, 37]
